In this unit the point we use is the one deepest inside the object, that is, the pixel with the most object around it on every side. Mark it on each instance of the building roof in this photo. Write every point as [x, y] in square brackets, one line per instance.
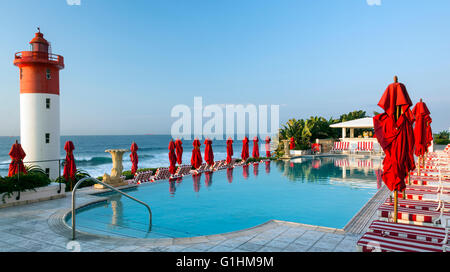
[358, 123]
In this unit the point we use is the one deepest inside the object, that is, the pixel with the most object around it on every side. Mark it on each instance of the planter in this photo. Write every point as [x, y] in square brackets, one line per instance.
[31, 196]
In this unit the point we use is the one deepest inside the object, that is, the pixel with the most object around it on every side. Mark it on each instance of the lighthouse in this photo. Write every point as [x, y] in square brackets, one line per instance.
[39, 104]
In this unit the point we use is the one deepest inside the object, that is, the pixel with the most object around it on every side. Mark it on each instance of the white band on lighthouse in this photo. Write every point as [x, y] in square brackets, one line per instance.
[40, 130]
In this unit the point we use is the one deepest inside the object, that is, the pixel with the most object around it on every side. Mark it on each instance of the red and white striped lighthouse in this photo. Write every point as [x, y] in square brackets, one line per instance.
[39, 104]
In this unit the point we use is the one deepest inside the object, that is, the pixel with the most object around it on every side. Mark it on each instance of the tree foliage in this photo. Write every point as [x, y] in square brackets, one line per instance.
[316, 127]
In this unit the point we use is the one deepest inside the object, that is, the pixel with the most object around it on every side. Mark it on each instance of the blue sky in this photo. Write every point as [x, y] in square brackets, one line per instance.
[132, 61]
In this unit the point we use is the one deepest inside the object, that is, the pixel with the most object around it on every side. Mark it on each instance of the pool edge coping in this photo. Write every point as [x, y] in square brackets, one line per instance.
[62, 214]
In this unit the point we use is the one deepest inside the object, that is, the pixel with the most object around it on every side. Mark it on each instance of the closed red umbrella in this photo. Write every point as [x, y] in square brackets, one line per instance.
[179, 151]
[134, 158]
[70, 168]
[268, 147]
[429, 132]
[394, 132]
[17, 155]
[292, 143]
[172, 157]
[315, 148]
[230, 174]
[255, 151]
[421, 113]
[229, 150]
[209, 155]
[196, 158]
[245, 152]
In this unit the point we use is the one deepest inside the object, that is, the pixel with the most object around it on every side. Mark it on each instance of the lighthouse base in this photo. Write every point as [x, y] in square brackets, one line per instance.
[113, 181]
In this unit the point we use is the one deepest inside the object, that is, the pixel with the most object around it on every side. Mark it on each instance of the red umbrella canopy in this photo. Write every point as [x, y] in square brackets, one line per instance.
[179, 150]
[172, 157]
[134, 158]
[429, 132]
[229, 150]
[70, 168]
[292, 143]
[245, 152]
[209, 155]
[196, 158]
[394, 132]
[268, 146]
[255, 151]
[17, 155]
[422, 116]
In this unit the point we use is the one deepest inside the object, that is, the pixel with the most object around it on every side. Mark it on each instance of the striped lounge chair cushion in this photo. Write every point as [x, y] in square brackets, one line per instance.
[407, 231]
[372, 241]
[409, 216]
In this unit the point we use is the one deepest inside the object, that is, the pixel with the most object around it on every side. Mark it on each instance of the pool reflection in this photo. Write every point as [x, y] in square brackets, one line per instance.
[208, 178]
[245, 173]
[327, 169]
[230, 174]
[255, 168]
[117, 210]
[267, 167]
[196, 182]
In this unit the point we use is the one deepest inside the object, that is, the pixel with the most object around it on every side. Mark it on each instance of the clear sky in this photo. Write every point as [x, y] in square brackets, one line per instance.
[129, 62]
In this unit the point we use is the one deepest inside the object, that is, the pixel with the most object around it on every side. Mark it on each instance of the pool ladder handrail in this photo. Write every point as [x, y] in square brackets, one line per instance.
[110, 187]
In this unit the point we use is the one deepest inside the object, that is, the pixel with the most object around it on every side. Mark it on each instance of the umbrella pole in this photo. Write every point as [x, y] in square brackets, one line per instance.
[395, 206]
[420, 162]
[397, 115]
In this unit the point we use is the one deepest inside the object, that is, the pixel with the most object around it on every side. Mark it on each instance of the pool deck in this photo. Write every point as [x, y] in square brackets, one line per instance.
[39, 227]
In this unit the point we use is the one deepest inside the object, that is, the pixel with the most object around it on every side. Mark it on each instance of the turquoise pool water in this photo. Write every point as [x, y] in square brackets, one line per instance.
[325, 192]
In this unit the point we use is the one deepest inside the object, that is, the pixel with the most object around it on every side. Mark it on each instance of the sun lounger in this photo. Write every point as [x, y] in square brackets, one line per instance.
[215, 165]
[340, 146]
[183, 170]
[364, 147]
[412, 216]
[202, 168]
[141, 177]
[394, 237]
[222, 165]
[162, 173]
[422, 233]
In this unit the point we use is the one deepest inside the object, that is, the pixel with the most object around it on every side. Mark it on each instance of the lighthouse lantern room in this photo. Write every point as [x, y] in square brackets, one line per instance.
[39, 104]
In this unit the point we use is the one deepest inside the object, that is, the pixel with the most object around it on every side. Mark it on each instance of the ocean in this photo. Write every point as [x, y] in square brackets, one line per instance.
[90, 153]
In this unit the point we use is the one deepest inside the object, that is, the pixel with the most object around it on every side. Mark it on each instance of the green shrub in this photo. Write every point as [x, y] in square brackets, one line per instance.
[442, 138]
[259, 159]
[79, 175]
[128, 174]
[22, 182]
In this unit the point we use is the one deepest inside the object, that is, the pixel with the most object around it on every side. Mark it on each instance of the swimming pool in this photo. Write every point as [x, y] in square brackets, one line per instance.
[325, 191]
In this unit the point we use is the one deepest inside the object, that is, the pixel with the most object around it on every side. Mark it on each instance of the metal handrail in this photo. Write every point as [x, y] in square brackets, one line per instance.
[110, 187]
